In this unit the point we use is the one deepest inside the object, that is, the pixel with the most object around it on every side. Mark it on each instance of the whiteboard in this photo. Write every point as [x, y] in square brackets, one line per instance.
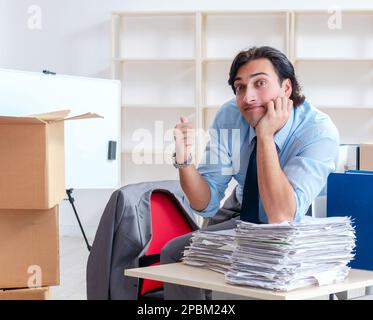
[86, 141]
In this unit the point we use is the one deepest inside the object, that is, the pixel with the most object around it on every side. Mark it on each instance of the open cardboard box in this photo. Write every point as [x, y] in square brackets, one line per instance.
[32, 160]
[366, 156]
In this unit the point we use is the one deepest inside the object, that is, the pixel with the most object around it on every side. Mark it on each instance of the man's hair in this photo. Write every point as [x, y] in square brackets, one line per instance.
[283, 68]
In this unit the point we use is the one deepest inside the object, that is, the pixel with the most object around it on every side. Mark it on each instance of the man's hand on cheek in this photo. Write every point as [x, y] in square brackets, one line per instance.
[275, 118]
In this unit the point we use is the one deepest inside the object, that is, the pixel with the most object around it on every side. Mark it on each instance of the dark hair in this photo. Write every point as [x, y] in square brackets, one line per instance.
[283, 68]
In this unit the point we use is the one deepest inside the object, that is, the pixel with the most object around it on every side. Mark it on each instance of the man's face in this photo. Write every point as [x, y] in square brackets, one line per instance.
[256, 84]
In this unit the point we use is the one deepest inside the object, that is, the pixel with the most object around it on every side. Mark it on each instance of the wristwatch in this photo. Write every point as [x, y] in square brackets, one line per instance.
[186, 163]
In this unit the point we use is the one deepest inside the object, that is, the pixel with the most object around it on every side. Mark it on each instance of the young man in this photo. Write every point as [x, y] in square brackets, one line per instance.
[285, 152]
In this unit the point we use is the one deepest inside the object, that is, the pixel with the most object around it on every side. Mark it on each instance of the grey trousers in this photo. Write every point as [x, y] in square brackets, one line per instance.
[173, 251]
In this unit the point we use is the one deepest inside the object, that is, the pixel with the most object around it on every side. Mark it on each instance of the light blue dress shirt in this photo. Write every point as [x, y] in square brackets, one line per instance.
[307, 147]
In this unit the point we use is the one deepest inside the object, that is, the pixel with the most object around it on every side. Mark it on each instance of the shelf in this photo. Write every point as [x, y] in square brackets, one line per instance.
[345, 11]
[154, 60]
[194, 12]
[152, 13]
[227, 34]
[215, 79]
[243, 12]
[217, 59]
[345, 107]
[152, 36]
[330, 59]
[153, 106]
[337, 83]
[158, 84]
[298, 59]
[317, 36]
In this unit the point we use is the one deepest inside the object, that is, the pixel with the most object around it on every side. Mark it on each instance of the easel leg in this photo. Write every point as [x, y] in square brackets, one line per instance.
[71, 200]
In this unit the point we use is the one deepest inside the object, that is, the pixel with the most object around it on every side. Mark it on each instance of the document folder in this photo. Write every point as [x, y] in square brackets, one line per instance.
[351, 194]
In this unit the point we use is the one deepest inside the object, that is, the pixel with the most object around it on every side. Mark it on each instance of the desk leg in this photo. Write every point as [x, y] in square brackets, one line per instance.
[369, 290]
[343, 295]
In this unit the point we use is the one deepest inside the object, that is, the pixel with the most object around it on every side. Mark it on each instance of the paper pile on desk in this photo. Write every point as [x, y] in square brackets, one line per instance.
[211, 249]
[287, 256]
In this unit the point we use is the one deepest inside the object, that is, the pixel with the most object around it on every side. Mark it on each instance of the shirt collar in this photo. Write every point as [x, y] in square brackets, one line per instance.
[280, 136]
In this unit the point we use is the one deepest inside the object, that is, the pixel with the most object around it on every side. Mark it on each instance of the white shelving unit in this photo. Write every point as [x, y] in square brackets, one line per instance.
[155, 57]
[176, 64]
[335, 68]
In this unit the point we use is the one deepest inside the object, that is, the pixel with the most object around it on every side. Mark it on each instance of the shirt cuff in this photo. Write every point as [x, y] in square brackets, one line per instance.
[301, 205]
[211, 209]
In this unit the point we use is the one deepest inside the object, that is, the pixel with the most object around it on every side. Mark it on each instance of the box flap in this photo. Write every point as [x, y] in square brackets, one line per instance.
[52, 116]
[88, 115]
[48, 117]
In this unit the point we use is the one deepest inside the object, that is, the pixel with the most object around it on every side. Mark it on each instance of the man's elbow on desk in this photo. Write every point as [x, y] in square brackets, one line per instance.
[278, 218]
[282, 213]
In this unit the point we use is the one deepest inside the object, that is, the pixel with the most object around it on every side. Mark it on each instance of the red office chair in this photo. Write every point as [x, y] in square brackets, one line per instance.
[168, 222]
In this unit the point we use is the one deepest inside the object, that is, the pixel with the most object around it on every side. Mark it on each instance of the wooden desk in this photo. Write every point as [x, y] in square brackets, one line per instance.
[179, 273]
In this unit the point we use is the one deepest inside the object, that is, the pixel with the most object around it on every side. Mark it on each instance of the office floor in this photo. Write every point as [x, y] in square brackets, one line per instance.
[73, 262]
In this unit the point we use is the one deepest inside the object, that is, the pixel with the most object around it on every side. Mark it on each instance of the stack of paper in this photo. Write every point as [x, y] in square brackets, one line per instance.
[287, 256]
[211, 249]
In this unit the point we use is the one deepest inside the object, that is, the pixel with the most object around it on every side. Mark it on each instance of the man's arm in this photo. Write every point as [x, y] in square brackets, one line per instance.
[193, 184]
[195, 188]
[275, 190]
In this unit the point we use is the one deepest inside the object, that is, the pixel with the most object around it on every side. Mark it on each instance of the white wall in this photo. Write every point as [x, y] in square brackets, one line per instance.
[75, 39]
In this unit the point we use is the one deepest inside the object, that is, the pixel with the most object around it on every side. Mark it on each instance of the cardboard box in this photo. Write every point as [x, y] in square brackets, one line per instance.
[29, 248]
[32, 160]
[26, 294]
[349, 157]
[366, 156]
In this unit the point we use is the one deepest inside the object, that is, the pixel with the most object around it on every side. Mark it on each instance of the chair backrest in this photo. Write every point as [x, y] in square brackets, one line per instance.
[168, 222]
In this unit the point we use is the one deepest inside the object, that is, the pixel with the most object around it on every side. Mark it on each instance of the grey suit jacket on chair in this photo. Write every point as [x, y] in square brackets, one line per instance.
[123, 236]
